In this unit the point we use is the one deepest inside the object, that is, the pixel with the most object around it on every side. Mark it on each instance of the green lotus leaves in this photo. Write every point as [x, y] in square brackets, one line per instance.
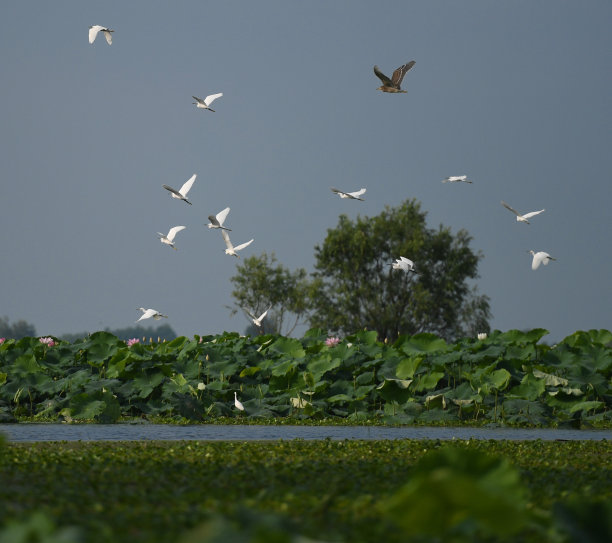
[407, 367]
[479, 496]
[531, 388]
[288, 346]
[421, 343]
[101, 406]
[507, 378]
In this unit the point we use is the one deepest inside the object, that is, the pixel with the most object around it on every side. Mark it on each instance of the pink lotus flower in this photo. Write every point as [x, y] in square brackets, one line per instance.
[131, 342]
[48, 341]
[2, 340]
[331, 341]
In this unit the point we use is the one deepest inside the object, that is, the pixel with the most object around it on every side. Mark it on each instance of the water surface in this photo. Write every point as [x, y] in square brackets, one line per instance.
[26, 432]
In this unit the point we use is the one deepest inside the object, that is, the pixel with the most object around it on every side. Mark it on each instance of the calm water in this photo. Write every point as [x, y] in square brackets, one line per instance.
[143, 432]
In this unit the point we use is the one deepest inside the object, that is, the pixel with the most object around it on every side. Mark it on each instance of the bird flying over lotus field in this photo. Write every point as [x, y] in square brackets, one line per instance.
[231, 250]
[150, 313]
[525, 216]
[216, 221]
[540, 258]
[168, 239]
[393, 84]
[182, 193]
[93, 33]
[257, 320]
[205, 104]
[352, 195]
[456, 179]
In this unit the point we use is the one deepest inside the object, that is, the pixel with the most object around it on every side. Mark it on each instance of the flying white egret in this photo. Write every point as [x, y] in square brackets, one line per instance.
[455, 179]
[237, 402]
[231, 250]
[405, 264]
[257, 320]
[168, 239]
[216, 221]
[93, 32]
[540, 258]
[205, 104]
[353, 195]
[148, 313]
[182, 193]
[525, 216]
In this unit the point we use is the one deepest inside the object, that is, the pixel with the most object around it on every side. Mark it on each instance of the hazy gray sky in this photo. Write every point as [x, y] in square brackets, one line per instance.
[518, 95]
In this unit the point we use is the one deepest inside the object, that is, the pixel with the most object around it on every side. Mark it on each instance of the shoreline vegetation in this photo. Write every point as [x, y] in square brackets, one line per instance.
[503, 379]
[297, 490]
[290, 491]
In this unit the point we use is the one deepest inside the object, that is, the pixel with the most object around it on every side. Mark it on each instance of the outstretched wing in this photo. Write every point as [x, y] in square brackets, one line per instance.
[533, 213]
[537, 260]
[198, 100]
[211, 98]
[243, 245]
[174, 231]
[93, 32]
[385, 80]
[173, 191]
[510, 208]
[399, 74]
[220, 217]
[147, 314]
[226, 238]
[187, 186]
[108, 36]
[338, 191]
[357, 194]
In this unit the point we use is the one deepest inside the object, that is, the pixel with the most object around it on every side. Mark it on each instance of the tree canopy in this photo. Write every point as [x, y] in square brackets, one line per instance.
[262, 283]
[17, 330]
[355, 286]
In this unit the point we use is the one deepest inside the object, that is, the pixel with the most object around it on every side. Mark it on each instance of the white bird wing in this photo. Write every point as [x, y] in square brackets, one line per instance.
[227, 240]
[108, 36]
[147, 314]
[337, 191]
[263, 314]
[407, 261]
[198, 100]
[533, 213]
[510, 208]
[221, 216]
[187, 185]
[173, 191]
[93, 32]
[537, 260]
[174, 231]
[211, 98]
[357, 193]
[243, 245]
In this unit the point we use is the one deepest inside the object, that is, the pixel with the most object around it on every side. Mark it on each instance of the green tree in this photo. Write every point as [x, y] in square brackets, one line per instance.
[17, 330]
[356, 287]
[262, 283]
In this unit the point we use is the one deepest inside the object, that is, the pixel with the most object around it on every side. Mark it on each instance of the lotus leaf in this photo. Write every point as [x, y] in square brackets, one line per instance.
[288, 346]
[407, 367]
[420, 343]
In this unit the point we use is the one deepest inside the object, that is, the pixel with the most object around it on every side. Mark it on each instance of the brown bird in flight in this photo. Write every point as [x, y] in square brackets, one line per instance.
[393, 84]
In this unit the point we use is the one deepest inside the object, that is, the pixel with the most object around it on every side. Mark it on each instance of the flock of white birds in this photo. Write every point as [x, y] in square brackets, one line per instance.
[217, 221]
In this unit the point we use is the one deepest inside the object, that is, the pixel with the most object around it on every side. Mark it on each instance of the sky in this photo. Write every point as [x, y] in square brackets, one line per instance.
[517, 95]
